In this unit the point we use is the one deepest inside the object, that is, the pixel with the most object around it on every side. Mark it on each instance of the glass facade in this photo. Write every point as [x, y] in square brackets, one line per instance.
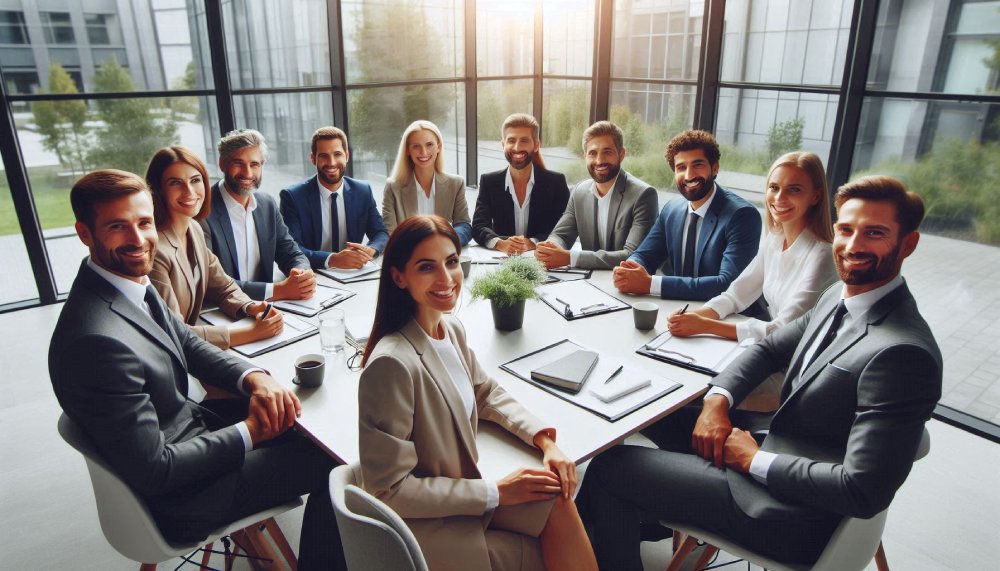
[929, 109]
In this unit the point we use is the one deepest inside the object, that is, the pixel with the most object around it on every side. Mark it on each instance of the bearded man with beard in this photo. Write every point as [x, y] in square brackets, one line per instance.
[699, 242]
[245, 229]
[519, 205]
[329, 214]
[863, 376]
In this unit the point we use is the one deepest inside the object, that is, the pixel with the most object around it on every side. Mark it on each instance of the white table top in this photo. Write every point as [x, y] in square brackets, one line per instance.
[330, 412]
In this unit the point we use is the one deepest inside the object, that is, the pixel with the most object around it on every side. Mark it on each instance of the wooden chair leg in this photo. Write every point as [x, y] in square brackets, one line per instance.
[268, 559]
[147, 567]
[681, 554]
[880, 560]
[206, 555]
[677, 539]
[706, 556]
[282, 542]
[240, 541]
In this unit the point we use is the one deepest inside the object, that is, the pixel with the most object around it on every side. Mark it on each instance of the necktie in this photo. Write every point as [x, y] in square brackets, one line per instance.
[155, 309]
[334, 223]
[689, 246]
[831, 333]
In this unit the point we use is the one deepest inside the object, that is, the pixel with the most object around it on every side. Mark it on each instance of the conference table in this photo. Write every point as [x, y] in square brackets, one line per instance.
[330, 412]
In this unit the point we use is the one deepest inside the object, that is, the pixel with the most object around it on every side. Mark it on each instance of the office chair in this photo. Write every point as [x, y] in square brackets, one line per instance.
[130, 529]
[374, 537]
[851, 547]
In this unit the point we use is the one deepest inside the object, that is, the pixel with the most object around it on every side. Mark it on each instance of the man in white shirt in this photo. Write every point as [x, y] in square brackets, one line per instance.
[611, 213]
[245, 229]
[864, 375]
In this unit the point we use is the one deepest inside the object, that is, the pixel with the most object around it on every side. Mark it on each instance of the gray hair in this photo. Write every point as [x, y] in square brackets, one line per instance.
[238, 139]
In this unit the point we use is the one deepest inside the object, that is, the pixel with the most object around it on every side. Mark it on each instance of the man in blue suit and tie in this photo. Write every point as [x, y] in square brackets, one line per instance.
[700, 243]
[329, 214]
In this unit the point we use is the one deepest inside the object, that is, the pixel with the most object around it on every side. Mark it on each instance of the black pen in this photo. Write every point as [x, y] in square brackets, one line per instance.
[685, 309]
[267, 309]
[615, 374]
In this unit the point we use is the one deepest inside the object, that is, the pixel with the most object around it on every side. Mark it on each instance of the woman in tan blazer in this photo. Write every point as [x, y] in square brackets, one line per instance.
[420, 399]
[419, 185]
[185, 271]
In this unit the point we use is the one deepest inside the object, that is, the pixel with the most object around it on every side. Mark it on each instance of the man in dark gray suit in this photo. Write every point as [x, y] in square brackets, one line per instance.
[611, 213]
[245, 229]
[864, 374]
[119, 363]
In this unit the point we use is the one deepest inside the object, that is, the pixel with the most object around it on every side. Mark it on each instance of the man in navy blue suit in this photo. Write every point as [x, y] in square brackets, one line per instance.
[329, 214]
[701, 243]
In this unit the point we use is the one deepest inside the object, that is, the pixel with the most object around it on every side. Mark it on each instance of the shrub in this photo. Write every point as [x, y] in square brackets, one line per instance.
[514, 281]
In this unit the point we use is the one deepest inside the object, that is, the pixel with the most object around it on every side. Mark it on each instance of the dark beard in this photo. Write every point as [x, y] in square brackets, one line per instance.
[528, 159]
[330, 181]
[701, 192]
[612, 173]
[237, 188]
[882, 268]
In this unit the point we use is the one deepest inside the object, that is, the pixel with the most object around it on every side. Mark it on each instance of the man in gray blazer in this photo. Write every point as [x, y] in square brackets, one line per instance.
[245, 229]
[864, 374]
[119, 362]
[611, 213]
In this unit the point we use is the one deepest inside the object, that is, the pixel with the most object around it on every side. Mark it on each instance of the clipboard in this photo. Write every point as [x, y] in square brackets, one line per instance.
[294, 330]
[569, 274]
[367, 272]
[576, 299]
[658, 386]
[324, 298]
[705, 354]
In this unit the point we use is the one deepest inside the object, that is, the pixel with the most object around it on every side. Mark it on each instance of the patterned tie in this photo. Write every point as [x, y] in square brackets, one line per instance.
[334, 223]
[689, 246]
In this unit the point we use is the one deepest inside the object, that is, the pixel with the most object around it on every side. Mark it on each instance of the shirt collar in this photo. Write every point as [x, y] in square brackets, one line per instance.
[703, 209]
[324, 191]
[232, 205]
[859, 304]
[133, 291]
[510, 181]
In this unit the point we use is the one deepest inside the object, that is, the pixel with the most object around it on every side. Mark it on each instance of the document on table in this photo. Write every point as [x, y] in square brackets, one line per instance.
[576, 299]
[324, 298]
[703, 353]
[483, 255]
[605, 393]
[295, 328]
[369, 271]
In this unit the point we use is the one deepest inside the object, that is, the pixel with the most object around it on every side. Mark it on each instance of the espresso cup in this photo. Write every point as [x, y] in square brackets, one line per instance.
[644, 314]
[309, 370]
[466, 262]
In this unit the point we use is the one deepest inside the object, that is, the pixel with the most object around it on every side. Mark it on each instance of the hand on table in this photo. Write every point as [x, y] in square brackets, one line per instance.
[712, 429]
[352, 257]
[631, 277]
[552, 255]
[300, 284]
[686, 324]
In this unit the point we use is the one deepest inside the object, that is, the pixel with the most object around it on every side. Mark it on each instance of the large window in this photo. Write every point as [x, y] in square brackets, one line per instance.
[18, 283]
[12, 28]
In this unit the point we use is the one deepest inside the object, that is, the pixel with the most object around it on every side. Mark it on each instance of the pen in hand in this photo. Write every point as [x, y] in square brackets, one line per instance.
[685, 308]
[267, 310]
[615, 374]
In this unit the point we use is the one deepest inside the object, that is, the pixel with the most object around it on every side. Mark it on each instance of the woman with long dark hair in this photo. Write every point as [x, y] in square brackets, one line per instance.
[420, 399]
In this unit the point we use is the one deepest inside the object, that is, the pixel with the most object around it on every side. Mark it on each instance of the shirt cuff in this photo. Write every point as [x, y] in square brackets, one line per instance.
[533, 240]
[721, 391]
[268, 291]
[760, 464]
[574, 256]
[492, 244]
[656, 285]
[245, 434]
[492, 495]
[239, 384]
[328, 258]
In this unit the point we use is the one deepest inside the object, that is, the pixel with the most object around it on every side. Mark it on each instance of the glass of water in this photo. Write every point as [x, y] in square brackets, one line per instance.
[331, 331]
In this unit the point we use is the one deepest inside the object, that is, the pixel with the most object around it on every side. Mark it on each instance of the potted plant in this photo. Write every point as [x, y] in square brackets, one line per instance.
[507, 288]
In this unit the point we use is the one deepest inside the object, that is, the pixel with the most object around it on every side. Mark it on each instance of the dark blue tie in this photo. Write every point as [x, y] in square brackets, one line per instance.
[689, 246]
[334, 224]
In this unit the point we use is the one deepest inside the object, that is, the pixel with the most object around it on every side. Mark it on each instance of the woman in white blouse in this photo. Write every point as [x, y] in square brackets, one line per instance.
[793, 266]
[419, 185]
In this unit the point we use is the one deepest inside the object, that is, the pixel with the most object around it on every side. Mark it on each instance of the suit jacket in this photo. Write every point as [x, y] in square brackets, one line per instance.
[847, 434]
[728, 240]
[300, 206]
[174, 280]
[630, 216]
[123, 379]
[399, 201]
[494, 216]
[273, 239]
[418, 448]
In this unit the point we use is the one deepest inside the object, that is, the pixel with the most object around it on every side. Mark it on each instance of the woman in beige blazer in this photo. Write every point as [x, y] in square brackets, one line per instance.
[185, 271]
[419, 185]
[420, 399]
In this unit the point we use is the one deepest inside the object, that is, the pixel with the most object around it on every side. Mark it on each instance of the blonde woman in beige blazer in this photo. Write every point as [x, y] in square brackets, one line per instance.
[421, 397]
[186, 273]
[418, 178]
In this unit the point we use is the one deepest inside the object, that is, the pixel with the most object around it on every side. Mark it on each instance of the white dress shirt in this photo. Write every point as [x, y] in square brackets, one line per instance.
[245, 237]
[425, 203]
[603, 210]
[791, 281]
[325, 198]
[656, 285]
[520, 210]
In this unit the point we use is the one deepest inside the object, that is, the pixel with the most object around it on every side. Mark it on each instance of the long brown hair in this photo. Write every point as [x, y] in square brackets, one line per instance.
[161, 161]
[395, 306]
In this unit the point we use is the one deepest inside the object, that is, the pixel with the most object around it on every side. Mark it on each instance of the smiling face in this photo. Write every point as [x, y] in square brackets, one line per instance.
[520, 146]
[243, 170]
[867, 247]
[432, 276]
[183, 190]
[123, 237]
[790, 195]
[422, 148]
[695, 176]
[330, 159]
[604, 159]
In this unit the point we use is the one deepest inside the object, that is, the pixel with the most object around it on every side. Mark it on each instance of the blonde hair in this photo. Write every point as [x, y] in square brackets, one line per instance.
[819, 221]
[403, 169]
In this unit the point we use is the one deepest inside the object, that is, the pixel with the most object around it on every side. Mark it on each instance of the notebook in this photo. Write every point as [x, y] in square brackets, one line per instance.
[324, 298]
[569, 372]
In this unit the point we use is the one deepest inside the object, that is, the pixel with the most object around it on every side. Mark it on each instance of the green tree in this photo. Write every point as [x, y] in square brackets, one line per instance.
[185, 105]
[134, 128]
[784, 137]
[62, 124]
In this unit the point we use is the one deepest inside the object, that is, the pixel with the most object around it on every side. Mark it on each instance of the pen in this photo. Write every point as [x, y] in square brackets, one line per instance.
[615, 374]
[685, 309]
[267, 309]
[562, 302]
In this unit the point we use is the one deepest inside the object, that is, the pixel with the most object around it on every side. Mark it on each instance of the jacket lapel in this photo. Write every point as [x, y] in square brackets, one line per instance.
[409, 198]
[349, 198]
[178, 255]
[315, 215]
[617, 197]
[708, 226]
[220, 217]
[265, 230]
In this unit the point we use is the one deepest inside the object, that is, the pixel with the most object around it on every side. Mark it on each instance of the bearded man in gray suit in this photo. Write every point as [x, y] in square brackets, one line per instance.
[119, 363]
[611, 213]
[863, 376]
